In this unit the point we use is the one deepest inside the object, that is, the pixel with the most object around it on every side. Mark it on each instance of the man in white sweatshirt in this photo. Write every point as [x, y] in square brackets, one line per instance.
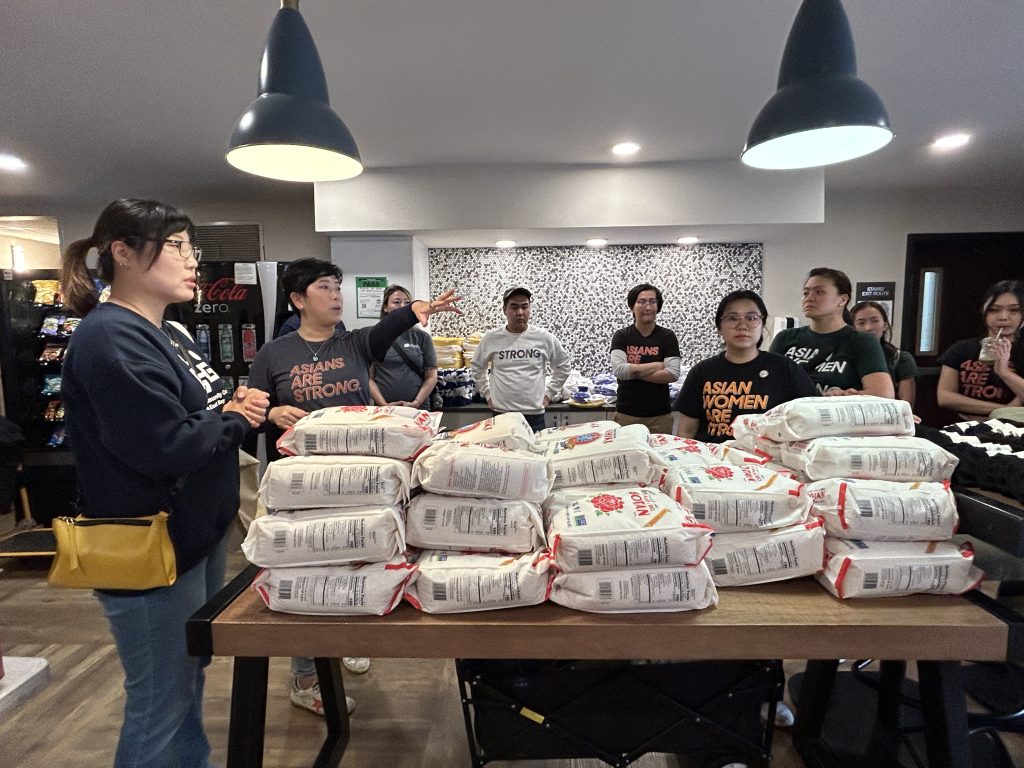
[518, 356]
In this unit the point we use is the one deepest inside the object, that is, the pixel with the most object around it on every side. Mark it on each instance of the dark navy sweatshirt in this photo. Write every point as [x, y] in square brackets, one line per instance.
[144, 423]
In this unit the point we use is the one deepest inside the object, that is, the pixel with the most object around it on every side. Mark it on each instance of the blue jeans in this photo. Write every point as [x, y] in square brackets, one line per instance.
[163, 713]
[535, 420]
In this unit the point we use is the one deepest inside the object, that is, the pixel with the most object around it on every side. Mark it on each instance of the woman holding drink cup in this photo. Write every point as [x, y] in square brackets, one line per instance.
[980, 375]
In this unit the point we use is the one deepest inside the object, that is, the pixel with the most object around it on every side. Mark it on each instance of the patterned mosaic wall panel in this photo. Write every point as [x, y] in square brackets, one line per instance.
[579, 293]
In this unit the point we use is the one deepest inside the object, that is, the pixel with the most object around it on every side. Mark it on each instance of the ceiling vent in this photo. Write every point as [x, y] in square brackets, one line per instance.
[230, 242]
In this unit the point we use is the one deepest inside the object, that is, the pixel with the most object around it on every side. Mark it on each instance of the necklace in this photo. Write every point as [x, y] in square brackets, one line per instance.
[316, 352]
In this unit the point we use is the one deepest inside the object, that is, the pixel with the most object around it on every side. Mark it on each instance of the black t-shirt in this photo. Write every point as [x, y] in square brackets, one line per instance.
[838, 359]
[644, 398]
[978, 379]
[717, 391]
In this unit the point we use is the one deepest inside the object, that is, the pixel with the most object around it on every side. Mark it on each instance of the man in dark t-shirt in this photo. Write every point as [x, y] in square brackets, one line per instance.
[645, 359]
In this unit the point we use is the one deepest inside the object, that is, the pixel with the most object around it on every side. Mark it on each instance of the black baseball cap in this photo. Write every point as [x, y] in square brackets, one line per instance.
[514, 292]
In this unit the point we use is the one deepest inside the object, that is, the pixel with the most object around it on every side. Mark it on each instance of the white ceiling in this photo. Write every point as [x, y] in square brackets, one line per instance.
[118, 97]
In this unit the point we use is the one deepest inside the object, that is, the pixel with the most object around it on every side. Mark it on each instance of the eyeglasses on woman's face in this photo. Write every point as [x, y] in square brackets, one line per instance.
[751, 318]
[185, 249]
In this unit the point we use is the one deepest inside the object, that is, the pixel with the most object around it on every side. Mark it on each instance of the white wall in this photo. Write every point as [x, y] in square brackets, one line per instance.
[390, 257]
[865, 235]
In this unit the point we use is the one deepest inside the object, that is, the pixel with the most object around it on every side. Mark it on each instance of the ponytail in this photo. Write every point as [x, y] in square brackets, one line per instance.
[77, 288]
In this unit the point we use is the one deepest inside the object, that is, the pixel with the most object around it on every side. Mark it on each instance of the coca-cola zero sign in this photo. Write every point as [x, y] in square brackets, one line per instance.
[217, 296]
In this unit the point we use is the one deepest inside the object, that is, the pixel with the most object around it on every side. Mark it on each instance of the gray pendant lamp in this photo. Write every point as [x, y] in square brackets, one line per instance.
[822, 113]
[290, 131]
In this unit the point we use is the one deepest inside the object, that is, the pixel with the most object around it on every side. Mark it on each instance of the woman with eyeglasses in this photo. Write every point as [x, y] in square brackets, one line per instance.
[408, 373]
[871, 317]
[151, 428]
[839, 359]
[740, 380]
[980, 375]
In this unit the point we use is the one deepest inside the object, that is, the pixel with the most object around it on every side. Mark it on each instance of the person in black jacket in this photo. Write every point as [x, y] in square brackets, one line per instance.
[151, 427]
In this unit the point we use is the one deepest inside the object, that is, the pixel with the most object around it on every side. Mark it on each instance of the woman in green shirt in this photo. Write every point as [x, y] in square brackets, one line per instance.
[871, 317]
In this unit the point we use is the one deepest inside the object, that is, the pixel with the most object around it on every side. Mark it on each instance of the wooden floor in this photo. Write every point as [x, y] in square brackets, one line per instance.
[408, 713]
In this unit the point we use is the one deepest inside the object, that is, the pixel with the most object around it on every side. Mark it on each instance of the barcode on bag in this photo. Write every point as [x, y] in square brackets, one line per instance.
[310, 443]
[865, 508]
[280, 540]
[430, 517]
[284, 591]
[585, 557]
[870, 581]
[857, 462]
[718, 566]
[440, 593]
[700, 510]
[604, 591]
[295, 486]
[825, 416]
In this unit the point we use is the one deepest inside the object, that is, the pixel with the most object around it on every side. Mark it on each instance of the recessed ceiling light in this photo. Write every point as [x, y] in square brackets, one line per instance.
[951, 141]
[506, 243]
[688, 240]
[625, 148]
[596, 242]
[12, 163]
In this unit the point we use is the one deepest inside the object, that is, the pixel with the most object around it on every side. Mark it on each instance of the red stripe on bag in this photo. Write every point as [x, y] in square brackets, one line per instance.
[842, 506]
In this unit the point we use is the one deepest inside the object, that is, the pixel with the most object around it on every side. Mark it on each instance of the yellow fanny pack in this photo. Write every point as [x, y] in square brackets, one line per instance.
[113, 553]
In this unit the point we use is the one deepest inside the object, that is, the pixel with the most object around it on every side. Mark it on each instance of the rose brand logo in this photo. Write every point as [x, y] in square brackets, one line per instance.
[606, 503]
[719, 473]
[353, 408]
[572, 442]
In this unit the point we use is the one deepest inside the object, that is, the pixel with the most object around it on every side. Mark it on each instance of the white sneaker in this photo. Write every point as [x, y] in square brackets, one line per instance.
[309, 698]
[357, 665]
[784, 717]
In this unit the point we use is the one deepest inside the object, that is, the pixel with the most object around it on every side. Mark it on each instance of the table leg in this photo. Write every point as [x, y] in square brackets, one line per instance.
[884, 747]
[248, 712]
[815, 693]
[332, 693]
[945, 714]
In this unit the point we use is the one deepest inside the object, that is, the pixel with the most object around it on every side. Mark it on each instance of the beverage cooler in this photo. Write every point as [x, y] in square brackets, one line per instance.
[34, 332]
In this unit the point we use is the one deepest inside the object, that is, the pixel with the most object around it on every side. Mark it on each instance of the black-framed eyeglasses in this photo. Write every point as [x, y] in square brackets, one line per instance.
[185, 249]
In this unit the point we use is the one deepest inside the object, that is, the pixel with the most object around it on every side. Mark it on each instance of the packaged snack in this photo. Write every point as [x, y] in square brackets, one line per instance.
[456, 582]
[70, 325]
[52, 324]
[325, 536]
[51, 384]
[473, 524]
[809, 417]
[52, 353]
[371, 589]
[57, 438]
[52, 409]
[47, 291]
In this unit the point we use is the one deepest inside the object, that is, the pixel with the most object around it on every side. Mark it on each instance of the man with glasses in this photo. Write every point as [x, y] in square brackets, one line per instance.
[645, 359]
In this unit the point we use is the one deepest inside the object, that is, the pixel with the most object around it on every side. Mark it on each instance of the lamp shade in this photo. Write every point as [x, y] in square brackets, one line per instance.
[822, 113]
[290, 131]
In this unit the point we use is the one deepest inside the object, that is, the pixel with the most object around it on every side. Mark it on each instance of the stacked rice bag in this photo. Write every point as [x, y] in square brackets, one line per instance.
[334, 542]
[478, 521]
[882, 494]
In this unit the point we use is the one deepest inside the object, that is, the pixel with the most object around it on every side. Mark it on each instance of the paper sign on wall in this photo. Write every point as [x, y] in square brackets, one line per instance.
[883, 293]
[369, 296]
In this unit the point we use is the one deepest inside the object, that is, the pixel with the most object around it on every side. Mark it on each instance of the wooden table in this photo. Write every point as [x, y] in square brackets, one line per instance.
[786, 620]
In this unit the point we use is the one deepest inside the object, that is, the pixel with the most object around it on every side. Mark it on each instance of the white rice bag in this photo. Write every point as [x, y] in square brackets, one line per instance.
[736, 499]
[304, 482]
[397, 432]
[686, 450]
[485, 471]
[881, 510]
[619, 455]
[554, 434]
[889, 568]
[472, 524]
[454, 582]
[605, 528]
[739, 559]
[371, 589]
[508, 430]
[641, 590]
[325, 536]
[808, 417]
[902, 459]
